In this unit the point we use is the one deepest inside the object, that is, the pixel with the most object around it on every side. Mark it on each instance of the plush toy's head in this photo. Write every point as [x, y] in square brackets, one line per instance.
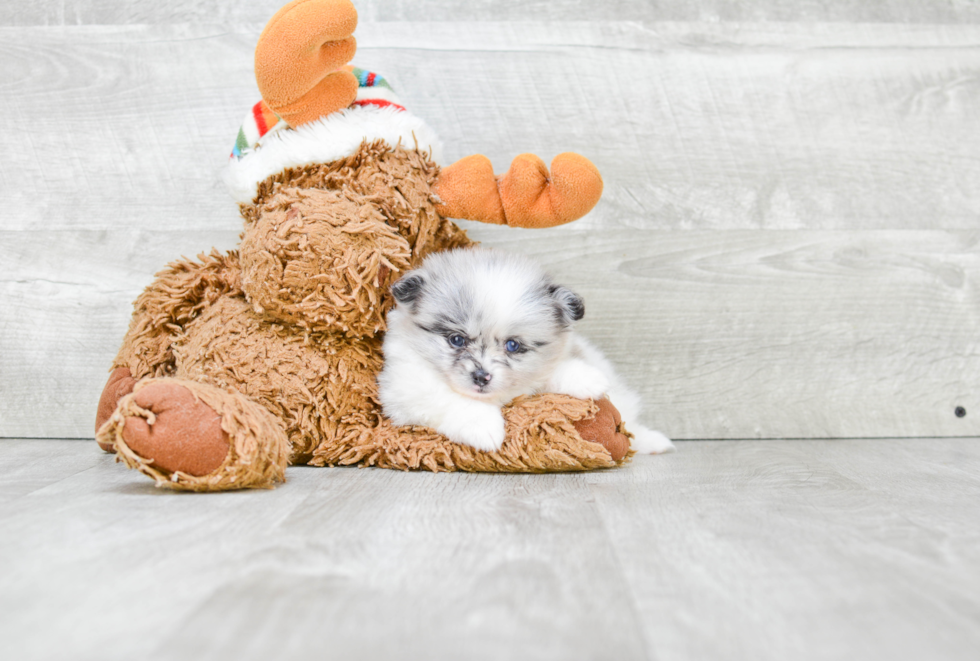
[321, 250]
[339, 185]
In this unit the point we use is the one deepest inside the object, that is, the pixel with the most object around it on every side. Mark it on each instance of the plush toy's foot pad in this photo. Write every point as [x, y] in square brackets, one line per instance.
[604, 429]
[179, 432]
[193, 436]
[120, 383]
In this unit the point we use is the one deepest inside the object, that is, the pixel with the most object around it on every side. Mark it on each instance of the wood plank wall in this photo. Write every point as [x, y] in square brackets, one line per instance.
[788, 245]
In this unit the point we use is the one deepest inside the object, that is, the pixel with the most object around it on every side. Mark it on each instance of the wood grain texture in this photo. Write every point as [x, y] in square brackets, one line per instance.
[782, 334]
[67, 299]
[360, 564]
[707, 127]
[125, 126]
[103, 12]
[802, 550]
[754, 550]
[786, 246]
[740, 334]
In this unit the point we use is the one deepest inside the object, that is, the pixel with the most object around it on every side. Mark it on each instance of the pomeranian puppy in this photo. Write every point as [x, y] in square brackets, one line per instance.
[474, 328]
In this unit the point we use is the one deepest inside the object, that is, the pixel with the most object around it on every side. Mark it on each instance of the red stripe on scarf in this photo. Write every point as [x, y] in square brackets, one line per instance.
[381, 103]
[260, 118]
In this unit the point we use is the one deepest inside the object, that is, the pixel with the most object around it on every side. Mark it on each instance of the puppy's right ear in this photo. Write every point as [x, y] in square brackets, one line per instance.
[408, 289]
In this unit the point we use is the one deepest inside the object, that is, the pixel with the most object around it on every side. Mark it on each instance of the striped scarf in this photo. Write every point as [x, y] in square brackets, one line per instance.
[373, 90]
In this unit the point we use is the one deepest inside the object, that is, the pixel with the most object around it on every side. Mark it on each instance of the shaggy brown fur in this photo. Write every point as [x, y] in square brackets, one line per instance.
[397, 181]
[178, 295]
[282, 338]
[316, 384]
[541, 438]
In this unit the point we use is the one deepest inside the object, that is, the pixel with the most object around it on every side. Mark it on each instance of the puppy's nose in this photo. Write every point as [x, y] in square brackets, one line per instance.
[481, 377]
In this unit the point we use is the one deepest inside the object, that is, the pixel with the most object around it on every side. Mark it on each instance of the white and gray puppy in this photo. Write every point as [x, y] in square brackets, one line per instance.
[474, 328]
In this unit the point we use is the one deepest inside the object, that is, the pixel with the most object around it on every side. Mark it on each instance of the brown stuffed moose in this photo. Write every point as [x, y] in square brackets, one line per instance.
[237, 364]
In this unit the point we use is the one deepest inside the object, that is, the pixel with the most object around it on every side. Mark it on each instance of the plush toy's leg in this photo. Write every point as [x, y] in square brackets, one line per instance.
[193, 436]
[177, 296]
[542, 437]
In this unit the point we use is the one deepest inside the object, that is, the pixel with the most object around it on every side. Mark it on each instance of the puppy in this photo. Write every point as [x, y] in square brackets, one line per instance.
[474, 328]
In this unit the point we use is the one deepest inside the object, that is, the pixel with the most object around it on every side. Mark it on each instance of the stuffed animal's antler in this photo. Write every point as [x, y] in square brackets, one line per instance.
[298, 67]
[298, 57]
[527, 196]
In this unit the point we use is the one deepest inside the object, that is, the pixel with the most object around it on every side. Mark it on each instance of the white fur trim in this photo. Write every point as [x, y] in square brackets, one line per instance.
[327, 139]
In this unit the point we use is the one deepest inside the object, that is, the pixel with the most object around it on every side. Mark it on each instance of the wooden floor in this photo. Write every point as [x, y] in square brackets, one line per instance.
[747, 550]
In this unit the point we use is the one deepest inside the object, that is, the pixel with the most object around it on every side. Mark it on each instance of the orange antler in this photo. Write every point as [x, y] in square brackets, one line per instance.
[527, 196]
[298, 56]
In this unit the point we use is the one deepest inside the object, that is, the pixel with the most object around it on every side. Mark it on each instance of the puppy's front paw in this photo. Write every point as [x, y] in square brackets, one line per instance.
[578, 379]
[480, 427]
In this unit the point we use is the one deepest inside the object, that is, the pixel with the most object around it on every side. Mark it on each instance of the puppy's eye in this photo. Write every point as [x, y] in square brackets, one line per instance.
[457, 341]
[512, 346]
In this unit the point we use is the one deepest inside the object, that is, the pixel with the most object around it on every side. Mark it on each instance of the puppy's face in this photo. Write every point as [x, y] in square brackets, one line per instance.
[493, 324]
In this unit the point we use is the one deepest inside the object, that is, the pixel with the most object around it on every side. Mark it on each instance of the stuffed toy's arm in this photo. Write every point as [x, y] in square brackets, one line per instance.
[526, 196]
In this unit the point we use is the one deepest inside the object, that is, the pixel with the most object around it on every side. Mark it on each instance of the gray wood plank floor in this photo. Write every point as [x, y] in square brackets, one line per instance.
[755, 550]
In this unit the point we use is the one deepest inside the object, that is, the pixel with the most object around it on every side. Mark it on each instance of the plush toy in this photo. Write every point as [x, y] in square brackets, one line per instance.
[238, 364]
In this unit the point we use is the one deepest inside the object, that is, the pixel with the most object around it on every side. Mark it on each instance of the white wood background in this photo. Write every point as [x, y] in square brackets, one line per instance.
[788, 245]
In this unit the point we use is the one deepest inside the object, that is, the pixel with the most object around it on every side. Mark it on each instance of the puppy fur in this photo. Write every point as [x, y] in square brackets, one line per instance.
[474, 328]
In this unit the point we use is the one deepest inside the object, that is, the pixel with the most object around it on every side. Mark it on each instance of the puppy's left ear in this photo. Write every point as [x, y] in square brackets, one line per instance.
[570, 305]
[408, 289]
